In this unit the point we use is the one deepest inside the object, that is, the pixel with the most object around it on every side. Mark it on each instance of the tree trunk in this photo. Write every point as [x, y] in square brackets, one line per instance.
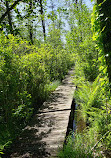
[9, 9]
[31, 34]
[9, 18]
[42, 18]
[31, 24]
[76, 1]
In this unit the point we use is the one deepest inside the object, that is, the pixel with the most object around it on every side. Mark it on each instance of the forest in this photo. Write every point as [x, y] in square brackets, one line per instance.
[39, 42]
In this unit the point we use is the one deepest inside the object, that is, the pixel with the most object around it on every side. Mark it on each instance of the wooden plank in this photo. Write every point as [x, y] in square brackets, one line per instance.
[46, 132]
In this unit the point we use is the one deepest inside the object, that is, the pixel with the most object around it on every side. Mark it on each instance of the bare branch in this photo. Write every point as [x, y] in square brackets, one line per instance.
[9, 9]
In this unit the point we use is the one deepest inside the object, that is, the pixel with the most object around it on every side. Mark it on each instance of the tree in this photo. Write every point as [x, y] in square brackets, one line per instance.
[8, 10]
[9, 18]
[42, 19]
[104, 14]
[30, 22]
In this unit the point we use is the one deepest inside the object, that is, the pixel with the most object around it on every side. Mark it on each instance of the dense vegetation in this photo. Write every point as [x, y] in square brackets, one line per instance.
[29, 71]
[93, 94]
[34, 57]
[26, 74]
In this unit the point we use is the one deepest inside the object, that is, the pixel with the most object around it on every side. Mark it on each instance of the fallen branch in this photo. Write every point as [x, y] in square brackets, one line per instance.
[100, 140]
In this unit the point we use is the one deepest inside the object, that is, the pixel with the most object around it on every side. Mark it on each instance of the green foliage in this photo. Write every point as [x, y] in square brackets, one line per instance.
[55, 41]
[102, 32]
[80, 42]
[53, 85]
[27, 75]
[80, 146]
[92, 80]
[91, 94]
[94, 101]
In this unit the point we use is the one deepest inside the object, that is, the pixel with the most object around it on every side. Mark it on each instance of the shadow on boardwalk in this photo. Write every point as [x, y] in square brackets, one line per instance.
[29, 144]
[47, 129]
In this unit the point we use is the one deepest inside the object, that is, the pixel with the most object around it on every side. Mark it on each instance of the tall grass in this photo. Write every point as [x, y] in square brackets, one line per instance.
[80, 146]
[95, 106]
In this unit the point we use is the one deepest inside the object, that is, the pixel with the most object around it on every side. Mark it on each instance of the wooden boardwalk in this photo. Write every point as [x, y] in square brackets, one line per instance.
[46, 132]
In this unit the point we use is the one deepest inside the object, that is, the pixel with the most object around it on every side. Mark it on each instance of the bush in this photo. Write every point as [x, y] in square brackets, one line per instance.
[26, 73]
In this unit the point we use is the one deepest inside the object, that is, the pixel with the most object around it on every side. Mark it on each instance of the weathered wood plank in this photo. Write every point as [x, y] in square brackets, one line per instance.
[47, 129]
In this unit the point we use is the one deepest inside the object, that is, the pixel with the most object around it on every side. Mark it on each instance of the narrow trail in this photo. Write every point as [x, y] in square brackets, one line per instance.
[47, 130]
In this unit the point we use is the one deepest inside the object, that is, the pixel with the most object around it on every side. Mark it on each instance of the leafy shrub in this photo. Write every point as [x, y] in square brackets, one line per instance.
[26, 73]
[96, 107]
